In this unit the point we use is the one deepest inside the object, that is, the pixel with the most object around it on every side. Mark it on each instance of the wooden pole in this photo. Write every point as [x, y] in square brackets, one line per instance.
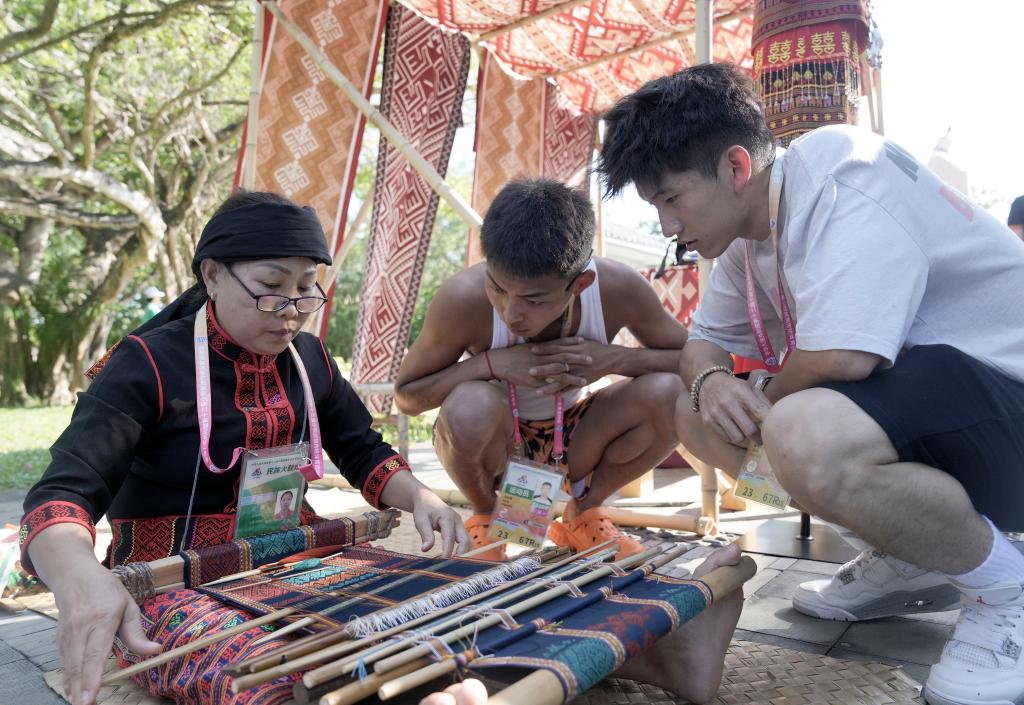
[530, 19]
[705, 12]
[252, 120]
[865, 70]
[877, 74]
[390, 133]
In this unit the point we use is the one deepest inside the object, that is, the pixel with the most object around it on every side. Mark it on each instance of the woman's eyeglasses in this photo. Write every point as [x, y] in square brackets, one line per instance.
[272, 303]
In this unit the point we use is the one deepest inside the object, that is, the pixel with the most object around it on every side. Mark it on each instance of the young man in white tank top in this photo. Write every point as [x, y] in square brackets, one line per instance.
[501, 322]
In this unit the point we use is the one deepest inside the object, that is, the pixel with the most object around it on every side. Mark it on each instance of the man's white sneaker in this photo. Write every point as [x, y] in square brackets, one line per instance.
[875, 585]
[981, 663]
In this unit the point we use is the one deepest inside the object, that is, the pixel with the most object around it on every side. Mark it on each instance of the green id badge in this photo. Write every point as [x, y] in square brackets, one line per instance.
[757, 481]
[271, 489]
[524, 509]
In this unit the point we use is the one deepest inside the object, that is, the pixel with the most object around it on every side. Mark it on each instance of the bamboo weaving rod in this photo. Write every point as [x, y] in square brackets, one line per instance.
[390, 133]
[542, 687]
[491, 620]
[202, 643]
[317, 652]
[306, 621]
[402, 684]
[375, 653]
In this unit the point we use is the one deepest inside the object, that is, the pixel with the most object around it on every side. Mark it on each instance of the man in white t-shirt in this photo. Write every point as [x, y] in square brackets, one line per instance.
[899, 409]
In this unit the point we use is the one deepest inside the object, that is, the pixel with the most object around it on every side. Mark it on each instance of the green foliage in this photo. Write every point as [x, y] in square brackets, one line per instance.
[167, 97]
[24, 445]
[446, 256]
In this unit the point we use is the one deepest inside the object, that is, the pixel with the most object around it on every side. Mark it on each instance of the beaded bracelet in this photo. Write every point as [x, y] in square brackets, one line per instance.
[698, 382]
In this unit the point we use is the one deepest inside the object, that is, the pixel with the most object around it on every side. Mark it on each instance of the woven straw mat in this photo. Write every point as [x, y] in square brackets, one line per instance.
[766, 674]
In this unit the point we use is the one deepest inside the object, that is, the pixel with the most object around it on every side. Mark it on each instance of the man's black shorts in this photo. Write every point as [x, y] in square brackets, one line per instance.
[948, 410]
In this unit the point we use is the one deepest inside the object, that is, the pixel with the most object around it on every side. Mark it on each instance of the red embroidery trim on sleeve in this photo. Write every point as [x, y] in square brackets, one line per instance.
[48, 514]
[379, 477]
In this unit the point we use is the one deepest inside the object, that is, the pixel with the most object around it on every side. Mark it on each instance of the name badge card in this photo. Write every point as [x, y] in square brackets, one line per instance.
[271, 490]
[757, 481]
[524, 509]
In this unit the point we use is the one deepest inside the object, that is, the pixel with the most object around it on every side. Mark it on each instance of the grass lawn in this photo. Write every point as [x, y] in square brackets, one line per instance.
[28, 434]
[25, 443]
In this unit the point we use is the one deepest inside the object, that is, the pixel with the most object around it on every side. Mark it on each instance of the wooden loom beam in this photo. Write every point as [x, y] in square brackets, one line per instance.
[469, 216]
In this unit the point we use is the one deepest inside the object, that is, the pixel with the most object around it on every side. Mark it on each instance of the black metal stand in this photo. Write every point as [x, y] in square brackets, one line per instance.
[778, 537]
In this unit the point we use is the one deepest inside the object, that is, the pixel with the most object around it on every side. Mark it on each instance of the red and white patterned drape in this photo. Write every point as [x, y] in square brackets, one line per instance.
[425, 71]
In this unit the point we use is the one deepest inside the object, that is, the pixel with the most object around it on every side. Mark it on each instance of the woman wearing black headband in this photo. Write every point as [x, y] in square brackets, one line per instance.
[179, 406]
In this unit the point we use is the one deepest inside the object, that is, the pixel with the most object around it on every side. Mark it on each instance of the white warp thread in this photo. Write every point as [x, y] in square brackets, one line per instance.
[360, 627]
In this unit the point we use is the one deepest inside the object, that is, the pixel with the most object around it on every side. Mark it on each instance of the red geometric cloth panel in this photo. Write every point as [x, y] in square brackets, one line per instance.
[677, 290]
[524, 129]
[309, 133]
[425, 71]
[573, 39]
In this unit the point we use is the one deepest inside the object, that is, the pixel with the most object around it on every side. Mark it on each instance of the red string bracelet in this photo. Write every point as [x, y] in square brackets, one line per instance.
[487, 359]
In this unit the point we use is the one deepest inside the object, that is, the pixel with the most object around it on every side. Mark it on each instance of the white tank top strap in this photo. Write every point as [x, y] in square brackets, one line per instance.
[592, 311]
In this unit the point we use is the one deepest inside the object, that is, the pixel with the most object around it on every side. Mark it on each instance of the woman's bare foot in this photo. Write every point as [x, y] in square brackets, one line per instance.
[689, 661]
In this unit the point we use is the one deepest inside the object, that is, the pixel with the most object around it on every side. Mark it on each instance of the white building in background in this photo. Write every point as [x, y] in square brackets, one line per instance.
[942, 164]
[633, 244]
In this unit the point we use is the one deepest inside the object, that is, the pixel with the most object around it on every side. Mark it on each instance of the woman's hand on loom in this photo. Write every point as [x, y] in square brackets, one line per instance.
[431, 514]
[468, 692]
[93, 607]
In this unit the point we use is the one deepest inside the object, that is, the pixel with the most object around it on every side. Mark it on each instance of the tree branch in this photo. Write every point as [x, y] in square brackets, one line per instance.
[63, 214]
[71, 34]
[133, 201]
[117, 34]
[27, 35]
[193, 90]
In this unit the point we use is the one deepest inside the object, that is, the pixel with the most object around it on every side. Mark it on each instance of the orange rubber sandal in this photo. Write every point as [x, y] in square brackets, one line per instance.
[477, 526]
[591, 528]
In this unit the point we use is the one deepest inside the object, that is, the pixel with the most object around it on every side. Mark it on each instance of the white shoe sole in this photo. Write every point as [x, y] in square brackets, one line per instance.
[932, 697]
[934, 599]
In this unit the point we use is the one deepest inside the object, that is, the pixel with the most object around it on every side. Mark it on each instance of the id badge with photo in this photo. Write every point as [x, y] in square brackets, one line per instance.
[271, 490]
[757, 481]
[524, 508]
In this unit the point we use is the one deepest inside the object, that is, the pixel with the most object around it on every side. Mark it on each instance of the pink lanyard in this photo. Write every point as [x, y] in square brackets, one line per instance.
[558, 446]
[312, 471]
[764, 343]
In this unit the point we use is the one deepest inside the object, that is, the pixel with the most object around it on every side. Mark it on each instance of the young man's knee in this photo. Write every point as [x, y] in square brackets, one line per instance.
[660, 389]
[804, 450]
[473, 408]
